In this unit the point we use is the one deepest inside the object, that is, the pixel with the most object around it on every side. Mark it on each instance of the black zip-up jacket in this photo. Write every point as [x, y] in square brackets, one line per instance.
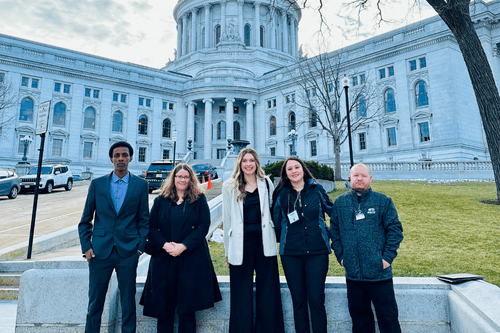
[363, 243]
[309, 235]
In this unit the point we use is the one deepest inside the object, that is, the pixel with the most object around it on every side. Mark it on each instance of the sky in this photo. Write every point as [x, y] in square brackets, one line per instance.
[144, 32]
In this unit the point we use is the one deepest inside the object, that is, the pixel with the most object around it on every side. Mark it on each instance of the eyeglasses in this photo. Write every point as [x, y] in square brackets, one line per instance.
[183, 177]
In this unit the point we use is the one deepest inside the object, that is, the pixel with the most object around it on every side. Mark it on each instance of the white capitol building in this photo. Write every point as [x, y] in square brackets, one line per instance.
[231, 79]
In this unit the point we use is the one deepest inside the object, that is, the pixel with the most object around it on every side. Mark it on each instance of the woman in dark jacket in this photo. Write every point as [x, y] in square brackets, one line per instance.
[181, 274]
[299, 207]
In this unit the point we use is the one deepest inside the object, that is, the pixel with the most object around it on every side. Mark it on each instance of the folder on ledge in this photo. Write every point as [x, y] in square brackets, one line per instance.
[459, 278]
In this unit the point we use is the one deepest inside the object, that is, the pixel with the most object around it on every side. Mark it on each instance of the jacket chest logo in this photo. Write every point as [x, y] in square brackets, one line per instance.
[371, 211]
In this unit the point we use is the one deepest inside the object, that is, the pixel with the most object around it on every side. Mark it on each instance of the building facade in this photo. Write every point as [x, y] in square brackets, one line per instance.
[233, 78]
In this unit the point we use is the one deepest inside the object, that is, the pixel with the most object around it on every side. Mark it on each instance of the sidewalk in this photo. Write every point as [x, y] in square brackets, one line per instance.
[8, 310]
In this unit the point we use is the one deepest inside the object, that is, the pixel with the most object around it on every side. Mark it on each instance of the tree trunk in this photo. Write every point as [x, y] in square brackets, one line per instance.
[457, 17]
[336, 149]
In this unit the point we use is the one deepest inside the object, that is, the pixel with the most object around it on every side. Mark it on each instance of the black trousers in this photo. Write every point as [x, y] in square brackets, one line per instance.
[361, 294]
[306, 277]
[99, 274]
[269, 314]
[187, 321]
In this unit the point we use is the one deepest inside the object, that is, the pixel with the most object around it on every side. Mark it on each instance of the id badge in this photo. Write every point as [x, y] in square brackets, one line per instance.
[293, 217]
[359, 215]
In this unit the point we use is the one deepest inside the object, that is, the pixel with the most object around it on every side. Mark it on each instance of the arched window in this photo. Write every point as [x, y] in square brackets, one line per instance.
[272, 126]
[361, 107]
[59, 114]
[247, 32]
[236, 130]
[221, 130]
[117, 122]
[421, 94]
[261, 36]
[291, 121]
[143, 125]
[217, 34]
[89, 118]
[313, 118]
[26, 112]
[203, 38]
[167, 125]
[390, 101]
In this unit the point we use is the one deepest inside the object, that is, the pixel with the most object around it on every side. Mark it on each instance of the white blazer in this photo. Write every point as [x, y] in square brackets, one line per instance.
[233, 220]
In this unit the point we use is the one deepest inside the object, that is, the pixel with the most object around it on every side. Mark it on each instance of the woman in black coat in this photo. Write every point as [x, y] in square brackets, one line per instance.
[181, 274]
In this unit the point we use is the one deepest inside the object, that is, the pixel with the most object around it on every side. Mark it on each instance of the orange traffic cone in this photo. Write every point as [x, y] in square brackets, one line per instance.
[209, 185]
[202, 179]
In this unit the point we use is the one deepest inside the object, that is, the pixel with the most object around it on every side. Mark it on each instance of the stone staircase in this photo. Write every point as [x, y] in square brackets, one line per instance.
[9, 285]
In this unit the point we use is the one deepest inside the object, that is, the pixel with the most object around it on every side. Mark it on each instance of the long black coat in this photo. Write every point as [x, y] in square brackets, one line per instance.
[197, 288]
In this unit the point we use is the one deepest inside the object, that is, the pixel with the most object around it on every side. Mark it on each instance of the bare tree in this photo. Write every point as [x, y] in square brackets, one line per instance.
[456, 15]
[7, 99]
[320, 94]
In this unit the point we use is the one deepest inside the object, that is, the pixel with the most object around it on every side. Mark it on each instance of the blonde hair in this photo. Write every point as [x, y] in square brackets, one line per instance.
[193, 191]
[239, 176]
[363, 165]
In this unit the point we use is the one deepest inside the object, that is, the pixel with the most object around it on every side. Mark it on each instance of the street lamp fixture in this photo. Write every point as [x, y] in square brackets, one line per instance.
[26, 140]
[293, 136]
[345, 84]
[190, 144]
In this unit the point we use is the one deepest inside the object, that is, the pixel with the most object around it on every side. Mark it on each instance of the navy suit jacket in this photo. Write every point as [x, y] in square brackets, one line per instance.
[127, 229]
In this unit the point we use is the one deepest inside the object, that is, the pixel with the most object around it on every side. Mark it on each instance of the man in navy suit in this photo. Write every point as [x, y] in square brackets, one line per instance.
[118, 205]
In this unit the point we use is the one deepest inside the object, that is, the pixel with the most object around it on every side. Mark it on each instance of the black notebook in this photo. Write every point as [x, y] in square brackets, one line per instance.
[459, 278]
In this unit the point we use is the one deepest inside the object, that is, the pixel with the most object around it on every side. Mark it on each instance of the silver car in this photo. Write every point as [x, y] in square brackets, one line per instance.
[9, 183]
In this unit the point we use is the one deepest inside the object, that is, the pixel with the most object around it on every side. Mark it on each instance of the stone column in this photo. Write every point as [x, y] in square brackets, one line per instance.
[193, 29]
[179, 40]
[184, 34]
[207, 26]
[229, 118]
[249, 121]
[190, 119]
[256, 23]
[241, 24]
[208, 129]
[285, 32]
[293, 37]
[273, 32]
[222, 18]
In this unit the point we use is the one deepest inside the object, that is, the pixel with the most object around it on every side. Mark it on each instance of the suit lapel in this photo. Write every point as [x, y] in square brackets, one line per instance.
[188, 208]
[261, 185]
[130, 190]
[107, 191]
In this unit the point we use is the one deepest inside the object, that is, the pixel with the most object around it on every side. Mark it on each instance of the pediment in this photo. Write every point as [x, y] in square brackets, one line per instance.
[25, 129]
[389, 121]
[117, 138]
[314, 134]
[167, 144]
[421, 115]
[90, 136]
[59, 132]
[143, 142]
[271, 142]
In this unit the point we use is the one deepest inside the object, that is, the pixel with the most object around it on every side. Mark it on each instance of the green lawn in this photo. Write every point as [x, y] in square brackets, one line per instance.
[446, 227]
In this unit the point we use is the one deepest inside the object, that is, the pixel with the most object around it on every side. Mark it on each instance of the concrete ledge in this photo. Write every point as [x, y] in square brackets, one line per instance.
[55, 300]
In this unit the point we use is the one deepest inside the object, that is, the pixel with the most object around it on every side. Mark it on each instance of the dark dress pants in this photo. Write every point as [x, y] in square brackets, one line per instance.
[187, 321]
[269, 313]
[306, 276]
[99, 274]
[361, 294]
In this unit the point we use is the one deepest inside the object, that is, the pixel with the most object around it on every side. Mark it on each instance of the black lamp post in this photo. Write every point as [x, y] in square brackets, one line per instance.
[26, 140]
[345, 84]
[293, 136]
[190, 144]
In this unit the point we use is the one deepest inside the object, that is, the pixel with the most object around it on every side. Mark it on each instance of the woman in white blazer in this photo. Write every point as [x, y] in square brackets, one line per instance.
[250, 245]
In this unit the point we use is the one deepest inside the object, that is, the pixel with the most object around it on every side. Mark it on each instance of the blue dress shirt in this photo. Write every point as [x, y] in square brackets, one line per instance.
[118, 190]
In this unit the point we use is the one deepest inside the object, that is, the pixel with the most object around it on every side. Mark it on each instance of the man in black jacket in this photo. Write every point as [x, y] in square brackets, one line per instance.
[366, 234]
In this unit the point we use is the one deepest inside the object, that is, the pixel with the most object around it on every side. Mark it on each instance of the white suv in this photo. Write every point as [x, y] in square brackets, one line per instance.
[52, 176]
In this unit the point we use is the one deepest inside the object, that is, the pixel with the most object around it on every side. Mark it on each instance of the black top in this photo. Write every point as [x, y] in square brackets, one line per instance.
[251, 208]
[175, 217]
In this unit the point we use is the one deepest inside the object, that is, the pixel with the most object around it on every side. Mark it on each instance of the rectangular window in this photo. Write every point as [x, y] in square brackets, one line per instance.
[391, 136]
[391, 71]
[115, 97]
[424, 132]
[293, 97]
[164, 105]
[362, 141]
[413, 65]
[269, 104]
[57, 147]
[142, 154]
[423, 62]
[354, 80]
[123, 98]
[67, 88]
[87, 92]
[166, 154]
[314, 151]
[236, 109]
[382, 73]
[2, 77]
[274, 103]
[141, 101]
[57, 87]
[363, 78]
[273, 151]
[171, 106]
[87, 150]
[25, 81]
[148, 102]
[96, 93]
[222, 109]
[34, 83]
